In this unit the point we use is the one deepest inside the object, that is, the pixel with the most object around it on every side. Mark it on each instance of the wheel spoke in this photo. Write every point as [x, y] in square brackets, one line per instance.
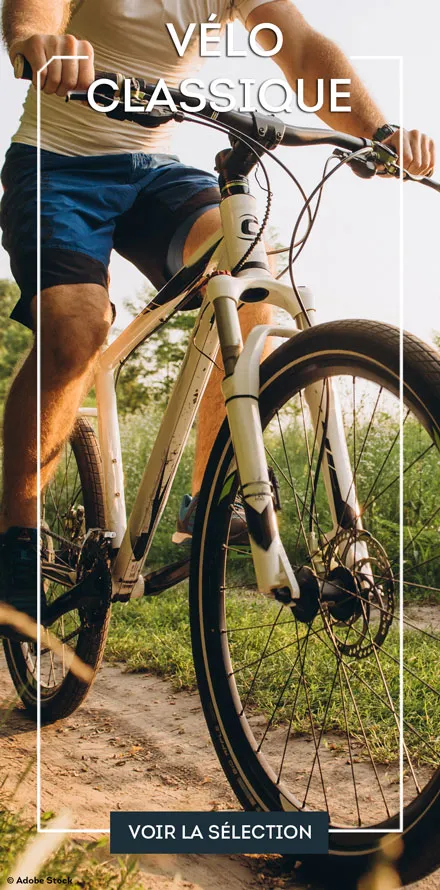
[396, 479]
[386, 458]
[359, 458]
[310, 480]
[324, 719]
[312, 726]
[255, 677]
[279, 700]
[342, 666]
[300, 514]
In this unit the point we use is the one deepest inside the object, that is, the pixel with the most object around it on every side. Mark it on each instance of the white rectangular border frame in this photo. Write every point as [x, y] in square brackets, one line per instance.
[398, 830]
[64, 831]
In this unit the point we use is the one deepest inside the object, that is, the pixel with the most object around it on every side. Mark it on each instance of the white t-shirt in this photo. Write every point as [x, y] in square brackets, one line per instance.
[128, 36]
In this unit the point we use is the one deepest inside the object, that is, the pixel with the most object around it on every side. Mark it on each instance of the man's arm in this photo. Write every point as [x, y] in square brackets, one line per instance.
[36, 29]
[306, 54]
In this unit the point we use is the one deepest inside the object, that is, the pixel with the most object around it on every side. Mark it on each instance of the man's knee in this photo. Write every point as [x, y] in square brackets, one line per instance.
[205, 225]
[74, 323]
[208, 224]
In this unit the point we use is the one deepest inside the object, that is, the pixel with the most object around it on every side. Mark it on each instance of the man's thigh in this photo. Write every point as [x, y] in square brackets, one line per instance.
[80, 199]
[143, 205]
[168, 211]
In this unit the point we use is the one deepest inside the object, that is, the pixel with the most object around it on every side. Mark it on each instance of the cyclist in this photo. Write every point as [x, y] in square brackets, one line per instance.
[109, 184]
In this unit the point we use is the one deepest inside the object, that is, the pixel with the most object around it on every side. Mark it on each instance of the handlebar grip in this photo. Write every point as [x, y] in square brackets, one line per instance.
[22, 69]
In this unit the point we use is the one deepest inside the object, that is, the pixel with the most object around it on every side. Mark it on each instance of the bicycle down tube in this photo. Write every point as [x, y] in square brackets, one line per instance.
[219, 312]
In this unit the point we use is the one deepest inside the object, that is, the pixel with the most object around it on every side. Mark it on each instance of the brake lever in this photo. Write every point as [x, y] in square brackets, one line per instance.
[387, 157]
[364, 167]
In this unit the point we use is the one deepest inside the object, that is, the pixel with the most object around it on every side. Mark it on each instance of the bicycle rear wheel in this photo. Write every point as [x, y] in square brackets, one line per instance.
[72, 503]
[304, 710]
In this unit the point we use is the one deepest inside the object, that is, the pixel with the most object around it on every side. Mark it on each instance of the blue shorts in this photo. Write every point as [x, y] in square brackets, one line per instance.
[141, 205]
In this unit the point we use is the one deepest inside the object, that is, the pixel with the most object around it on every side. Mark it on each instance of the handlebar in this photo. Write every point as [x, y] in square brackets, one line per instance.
[243, 121]
[268, 129]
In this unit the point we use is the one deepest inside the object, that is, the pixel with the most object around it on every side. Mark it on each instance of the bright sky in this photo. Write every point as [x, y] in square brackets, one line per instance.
[352, 259]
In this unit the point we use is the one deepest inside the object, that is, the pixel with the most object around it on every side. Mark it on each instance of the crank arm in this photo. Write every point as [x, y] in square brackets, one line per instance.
[58, 574]
[72, 599]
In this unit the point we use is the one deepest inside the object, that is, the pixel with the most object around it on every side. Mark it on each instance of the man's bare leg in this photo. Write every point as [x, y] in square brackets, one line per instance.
[212, 410]
[74, 323]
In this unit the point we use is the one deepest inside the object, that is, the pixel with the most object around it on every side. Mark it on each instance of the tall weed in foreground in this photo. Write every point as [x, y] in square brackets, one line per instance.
[25, 854]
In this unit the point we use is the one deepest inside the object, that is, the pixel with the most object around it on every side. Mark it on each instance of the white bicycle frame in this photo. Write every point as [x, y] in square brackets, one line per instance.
[217, 324]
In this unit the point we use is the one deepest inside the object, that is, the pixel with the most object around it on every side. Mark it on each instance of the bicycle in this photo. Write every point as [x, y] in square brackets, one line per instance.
[318, 579]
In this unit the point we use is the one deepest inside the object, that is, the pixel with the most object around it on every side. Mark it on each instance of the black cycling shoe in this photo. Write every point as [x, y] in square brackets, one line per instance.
[18, 577]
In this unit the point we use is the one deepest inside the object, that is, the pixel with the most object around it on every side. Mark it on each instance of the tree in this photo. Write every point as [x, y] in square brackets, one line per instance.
[147, 377]
[149, 374]
[15, 339]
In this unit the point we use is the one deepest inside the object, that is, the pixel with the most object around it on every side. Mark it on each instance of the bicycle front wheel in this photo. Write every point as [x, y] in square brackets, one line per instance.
[304, 707]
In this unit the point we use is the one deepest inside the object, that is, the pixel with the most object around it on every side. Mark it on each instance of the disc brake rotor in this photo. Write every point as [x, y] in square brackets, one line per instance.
[372, 613]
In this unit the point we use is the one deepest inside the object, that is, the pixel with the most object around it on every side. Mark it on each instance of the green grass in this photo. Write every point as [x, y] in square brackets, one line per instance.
[75, 860]
[155, 636]
[138, 434]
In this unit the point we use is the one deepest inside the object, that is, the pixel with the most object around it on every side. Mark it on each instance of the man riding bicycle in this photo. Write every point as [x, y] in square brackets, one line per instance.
[108, 184]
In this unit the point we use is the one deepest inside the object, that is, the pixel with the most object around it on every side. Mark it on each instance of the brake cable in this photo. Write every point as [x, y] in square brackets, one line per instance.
[319, 187]
[253, 145]
[306, 207]
[227, 129]
[311, 224]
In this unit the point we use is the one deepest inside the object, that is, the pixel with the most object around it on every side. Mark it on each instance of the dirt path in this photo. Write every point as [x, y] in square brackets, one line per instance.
[134, 745]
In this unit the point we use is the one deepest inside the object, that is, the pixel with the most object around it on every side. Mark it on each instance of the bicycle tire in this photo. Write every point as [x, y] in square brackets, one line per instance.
[357, 346]
[64, 699]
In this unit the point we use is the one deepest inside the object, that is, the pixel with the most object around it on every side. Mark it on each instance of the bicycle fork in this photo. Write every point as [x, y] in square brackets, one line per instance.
[274, 573]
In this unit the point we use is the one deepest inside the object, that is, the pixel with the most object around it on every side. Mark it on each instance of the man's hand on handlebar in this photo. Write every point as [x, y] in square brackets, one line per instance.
[418, 151]
[62, 75]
